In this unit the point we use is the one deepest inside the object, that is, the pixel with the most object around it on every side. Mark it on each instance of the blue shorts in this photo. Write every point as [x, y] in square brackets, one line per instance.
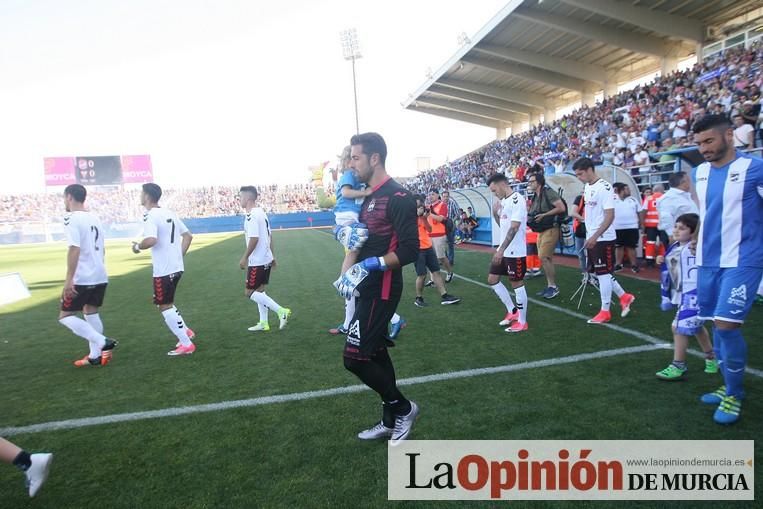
[727, 294]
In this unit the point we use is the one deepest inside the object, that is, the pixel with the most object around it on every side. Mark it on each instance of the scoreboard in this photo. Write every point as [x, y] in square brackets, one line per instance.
[98, 170]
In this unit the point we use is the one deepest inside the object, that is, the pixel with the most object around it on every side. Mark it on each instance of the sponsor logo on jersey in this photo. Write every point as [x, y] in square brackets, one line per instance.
[371, 205]
[354, 333]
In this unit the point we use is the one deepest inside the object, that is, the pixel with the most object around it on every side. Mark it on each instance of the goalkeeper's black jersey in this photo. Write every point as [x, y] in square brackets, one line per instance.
[390, 214]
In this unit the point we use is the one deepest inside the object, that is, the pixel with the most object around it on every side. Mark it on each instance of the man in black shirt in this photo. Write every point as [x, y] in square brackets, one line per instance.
[389, 214]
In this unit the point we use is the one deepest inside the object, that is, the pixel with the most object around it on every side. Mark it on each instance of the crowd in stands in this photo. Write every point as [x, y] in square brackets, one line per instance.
[116, 205]
[627, 129]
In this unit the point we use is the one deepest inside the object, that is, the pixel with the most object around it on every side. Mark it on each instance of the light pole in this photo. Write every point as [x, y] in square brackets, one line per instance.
[351, 51]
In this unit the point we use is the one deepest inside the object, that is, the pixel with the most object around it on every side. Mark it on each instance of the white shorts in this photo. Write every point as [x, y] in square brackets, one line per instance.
[346, 217]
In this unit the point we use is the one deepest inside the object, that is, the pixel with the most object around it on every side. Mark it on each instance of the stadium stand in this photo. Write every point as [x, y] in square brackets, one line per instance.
[653, 118]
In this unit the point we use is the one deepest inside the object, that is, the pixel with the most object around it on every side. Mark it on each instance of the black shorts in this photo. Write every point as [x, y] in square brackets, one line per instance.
[164, 288]
[368, 327]
[257, 276]
[427, 260]
[515, 268]
[652, 233]
[627, 238]
[601, 259]
[87, 295]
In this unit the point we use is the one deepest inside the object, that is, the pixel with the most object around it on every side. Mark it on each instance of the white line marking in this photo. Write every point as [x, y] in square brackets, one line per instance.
[636, 334]
[300, 396]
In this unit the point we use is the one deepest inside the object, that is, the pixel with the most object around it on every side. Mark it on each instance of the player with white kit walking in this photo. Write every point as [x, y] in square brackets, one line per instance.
[86, 278]
[169, 239]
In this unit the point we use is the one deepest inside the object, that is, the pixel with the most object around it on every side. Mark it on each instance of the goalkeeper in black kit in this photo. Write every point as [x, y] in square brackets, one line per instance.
[389, 215]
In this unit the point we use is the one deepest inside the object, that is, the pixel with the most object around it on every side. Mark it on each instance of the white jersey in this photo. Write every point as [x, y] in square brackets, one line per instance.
[165, 226]
[599, 197]
[83, 230]
[256, 225]
[626, 213]
[514, 208]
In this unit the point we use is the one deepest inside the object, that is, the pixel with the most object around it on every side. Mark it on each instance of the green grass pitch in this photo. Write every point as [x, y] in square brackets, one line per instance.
[305, 453]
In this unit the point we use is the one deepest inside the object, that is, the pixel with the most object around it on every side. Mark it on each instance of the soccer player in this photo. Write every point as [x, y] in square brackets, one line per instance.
[510, 212]
[169, 239]
[258, 260]
[86, 279]
[377, 282]
[729, 187]
[35, 466]
[600, 238]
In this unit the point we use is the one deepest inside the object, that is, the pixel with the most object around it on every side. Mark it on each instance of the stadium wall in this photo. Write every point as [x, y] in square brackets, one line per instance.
[28, 233]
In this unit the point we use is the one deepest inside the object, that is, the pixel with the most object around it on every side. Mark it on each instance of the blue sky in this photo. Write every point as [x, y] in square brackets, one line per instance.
[226, 91]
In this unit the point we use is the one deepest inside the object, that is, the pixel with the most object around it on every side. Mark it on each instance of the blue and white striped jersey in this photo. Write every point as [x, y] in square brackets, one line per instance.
[731, 211]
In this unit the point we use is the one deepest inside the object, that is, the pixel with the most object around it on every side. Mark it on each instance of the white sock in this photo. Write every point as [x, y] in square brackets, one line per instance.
[395, 318]
[84, 330]
[95, 322]
[262, 298]
[521, 295]
[617, 288]
[349, 311]
[175, 324]
[605, 290]
[180, 317]
[263, 309]
[503, 294]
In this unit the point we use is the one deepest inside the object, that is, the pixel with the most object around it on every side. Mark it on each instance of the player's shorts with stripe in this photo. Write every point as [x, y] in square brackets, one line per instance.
[257, 276]
[514, 268]
[601, 259]
[369, 325]
[727, 293]
[87, 295]
[164, 288]
[427, 259]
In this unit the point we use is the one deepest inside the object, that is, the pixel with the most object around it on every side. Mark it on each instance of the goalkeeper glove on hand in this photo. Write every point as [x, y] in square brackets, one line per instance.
[352, 237]
[347, 284]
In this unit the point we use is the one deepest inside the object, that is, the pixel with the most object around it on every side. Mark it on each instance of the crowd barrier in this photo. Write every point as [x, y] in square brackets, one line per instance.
[36, 232]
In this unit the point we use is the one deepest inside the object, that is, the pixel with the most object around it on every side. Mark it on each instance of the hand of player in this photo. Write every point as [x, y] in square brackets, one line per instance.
[497, 206]
[352, 237]
[136, 247]
[660, 259]
[498, 257]
[346, 285]
[348, 282]
[273, 264]
[538, 217]
[590, 243]
[69, 290]
[243, 262]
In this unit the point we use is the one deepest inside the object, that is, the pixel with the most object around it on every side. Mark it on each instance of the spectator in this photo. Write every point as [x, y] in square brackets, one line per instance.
[543, 215]
[675, 202]
[629, 219]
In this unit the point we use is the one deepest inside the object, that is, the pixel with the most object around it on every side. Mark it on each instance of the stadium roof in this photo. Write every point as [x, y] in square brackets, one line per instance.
[535, 56]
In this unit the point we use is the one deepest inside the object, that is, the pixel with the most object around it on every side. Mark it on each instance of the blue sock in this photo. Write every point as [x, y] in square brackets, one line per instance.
[734, 350]
[720, 353]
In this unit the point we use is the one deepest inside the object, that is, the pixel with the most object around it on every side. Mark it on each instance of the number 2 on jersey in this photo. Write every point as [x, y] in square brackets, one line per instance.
[94, 229]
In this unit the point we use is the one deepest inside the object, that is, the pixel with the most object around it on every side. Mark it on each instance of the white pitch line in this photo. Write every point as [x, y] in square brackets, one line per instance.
[636, 334]
[301, 396]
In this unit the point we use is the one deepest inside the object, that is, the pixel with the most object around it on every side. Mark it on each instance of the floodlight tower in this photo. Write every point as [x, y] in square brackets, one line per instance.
[351, 51]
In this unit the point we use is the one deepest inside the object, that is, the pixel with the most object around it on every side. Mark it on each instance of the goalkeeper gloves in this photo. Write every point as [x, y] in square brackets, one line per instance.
[352, 237]
[347, 284]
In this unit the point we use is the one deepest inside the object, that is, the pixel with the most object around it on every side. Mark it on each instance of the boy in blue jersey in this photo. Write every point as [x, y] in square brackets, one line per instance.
[350, 193]
[729, 187]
